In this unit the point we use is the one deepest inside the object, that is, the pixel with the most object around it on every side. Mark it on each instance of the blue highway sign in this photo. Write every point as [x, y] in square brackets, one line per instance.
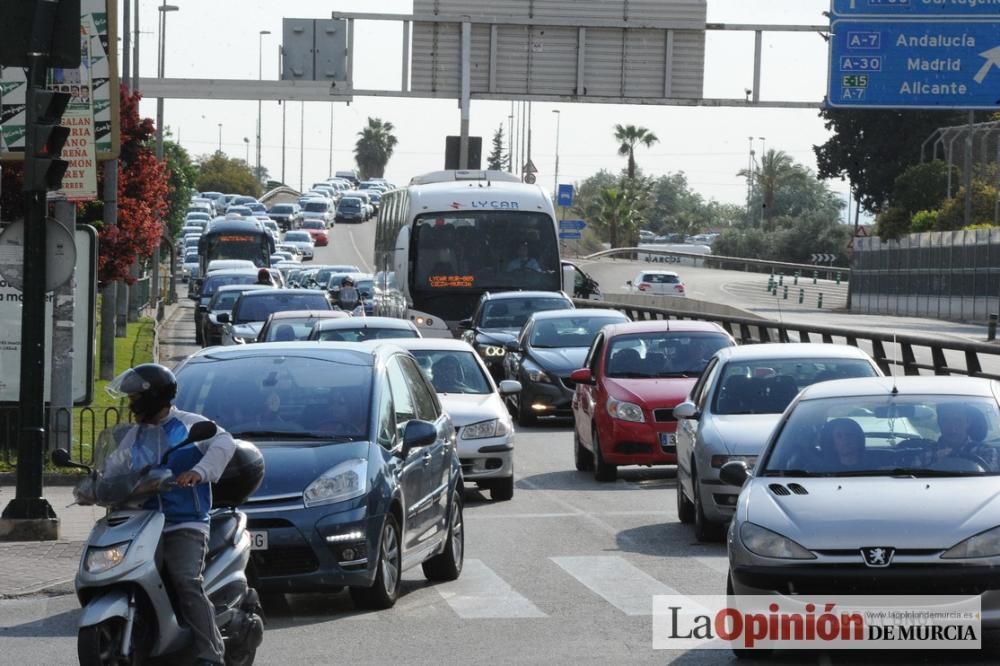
[565, 196]
[572, 225]
[917, 8]
[916, 64]
[570, 235]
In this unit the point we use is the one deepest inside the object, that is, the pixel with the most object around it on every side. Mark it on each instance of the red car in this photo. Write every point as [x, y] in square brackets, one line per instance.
[635, 374]
[317, 230]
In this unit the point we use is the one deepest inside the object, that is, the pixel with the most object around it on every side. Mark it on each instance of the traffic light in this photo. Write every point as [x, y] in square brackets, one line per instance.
[43, 168]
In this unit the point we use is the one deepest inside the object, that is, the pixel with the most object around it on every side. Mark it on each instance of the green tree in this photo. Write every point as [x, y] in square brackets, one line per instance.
[873, 147]
[183, 176]
[616, 214]
[984, 200]
[219, 173]
[498, 159]
[628, 136]
[923, 186]
[776, 171]
[374, 148]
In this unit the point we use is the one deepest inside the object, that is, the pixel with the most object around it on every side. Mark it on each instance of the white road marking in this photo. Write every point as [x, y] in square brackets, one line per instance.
[623, 585]
[479, 593]
[364, 262]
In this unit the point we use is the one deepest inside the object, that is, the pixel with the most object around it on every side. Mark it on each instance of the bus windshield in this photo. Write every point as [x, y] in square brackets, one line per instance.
[252, 244]
[485, 250]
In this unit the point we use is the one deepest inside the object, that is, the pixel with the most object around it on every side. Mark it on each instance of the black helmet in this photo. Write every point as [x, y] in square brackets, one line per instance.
[348, 281]
[149, 387]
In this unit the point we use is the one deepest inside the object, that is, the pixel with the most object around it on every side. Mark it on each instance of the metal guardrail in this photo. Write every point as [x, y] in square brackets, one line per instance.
[733, 263]
[88, 424]
[912, 353]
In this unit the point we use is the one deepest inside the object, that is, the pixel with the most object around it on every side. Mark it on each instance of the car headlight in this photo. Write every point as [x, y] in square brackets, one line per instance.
[493, 351]
[535, 374]
[625, 411]
[484, 429]
[99, 560]
[984, 544]
[346, 481]
[719, 461]
[766, 543]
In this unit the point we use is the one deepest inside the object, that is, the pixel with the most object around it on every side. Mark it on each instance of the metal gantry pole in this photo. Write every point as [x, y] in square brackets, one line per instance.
[302, 148]
[466, 100]
[555, 178]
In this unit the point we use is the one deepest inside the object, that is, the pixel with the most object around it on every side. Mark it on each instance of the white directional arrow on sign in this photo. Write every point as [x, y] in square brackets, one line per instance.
[992, 58]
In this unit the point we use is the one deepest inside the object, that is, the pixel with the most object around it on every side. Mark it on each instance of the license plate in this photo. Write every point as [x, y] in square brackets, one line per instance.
[258, 540]
[668, 442]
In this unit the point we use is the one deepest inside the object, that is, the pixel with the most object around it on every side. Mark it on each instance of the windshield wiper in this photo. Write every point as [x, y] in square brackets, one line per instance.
[291, 434]
[923, 471]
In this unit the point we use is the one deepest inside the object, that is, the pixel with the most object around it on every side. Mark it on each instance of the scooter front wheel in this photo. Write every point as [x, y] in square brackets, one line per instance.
[100, 645]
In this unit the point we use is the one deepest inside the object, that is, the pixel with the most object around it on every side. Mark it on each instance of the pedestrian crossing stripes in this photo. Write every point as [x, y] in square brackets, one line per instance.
[480, 593]
[623, 585]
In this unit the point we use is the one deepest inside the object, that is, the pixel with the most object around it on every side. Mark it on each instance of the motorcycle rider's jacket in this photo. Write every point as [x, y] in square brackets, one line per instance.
[183, 508]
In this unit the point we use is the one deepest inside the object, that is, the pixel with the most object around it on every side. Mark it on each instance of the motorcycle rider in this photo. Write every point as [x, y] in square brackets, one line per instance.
[347, 297]
[150, 389]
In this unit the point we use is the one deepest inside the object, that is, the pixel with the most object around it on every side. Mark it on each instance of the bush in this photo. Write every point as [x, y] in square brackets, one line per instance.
[925, 220]
[893, 223]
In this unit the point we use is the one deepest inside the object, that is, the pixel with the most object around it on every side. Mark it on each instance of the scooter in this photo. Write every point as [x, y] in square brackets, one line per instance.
[129, 610]
[354, 306]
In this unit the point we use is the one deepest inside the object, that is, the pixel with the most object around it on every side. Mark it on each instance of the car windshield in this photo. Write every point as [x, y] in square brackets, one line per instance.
[281, 209]
[288, 329]
[224, 300]
[313, 224]
[258, 307]
[453, 371]
[567, 332]
[315, 207]
[662, 354]
[514, 312]
[298, 237]
[363, 334]
[279, 397]
[350, 203]
[767, 386]
[888, 435]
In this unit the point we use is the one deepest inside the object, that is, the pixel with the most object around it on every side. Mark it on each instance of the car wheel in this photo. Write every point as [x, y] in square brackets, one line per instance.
[685, 508]
[704, 529]
[582, 458]
[743, 653]
[525, 417]
[388, 570]
[448, 565]
[502, 490]
[602, 471]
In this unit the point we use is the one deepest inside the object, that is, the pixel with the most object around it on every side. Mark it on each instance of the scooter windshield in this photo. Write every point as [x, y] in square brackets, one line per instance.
[126, 466]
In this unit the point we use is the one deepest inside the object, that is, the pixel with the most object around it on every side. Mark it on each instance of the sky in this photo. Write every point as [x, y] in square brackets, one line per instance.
[219, 39]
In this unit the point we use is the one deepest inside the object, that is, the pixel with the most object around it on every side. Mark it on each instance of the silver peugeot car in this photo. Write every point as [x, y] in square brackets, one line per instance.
[875, 486]
[732, 410]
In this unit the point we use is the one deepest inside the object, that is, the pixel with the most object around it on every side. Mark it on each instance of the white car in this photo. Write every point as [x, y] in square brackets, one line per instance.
[482, 423]
[190, 266]
[659, 283]
[290, 249]
[303, 241]
[317, 209]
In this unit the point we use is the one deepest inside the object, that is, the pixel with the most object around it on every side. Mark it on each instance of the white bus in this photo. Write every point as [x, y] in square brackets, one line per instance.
[451, 235]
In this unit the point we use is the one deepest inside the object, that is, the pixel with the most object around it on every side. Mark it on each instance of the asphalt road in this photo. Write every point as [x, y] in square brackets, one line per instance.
[562, 574]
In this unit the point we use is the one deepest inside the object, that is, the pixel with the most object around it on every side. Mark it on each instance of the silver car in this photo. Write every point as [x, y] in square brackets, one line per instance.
[732, 410]
[476, 406]
[875, 486]
[303, 241]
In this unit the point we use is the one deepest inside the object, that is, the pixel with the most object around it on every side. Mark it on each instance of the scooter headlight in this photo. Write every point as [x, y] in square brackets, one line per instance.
[99, 560]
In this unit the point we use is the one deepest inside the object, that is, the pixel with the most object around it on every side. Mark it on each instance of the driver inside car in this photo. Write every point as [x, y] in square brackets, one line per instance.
[963, 429]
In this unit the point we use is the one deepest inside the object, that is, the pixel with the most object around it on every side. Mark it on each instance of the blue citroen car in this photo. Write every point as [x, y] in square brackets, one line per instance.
[362, 477]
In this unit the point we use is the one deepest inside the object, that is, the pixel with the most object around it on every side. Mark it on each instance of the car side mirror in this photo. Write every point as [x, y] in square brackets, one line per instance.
[509, 387]
[686, 410]
[202, 308]
[512, 346]
[418, 434]
[465, 324]
[223, 318]
[582, 376]
[734, 473]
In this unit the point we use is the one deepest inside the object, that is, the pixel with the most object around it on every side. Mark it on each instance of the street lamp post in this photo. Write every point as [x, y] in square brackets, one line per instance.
[160, 66]
[260, 77]
[246, 140]
[220, 137]
[555, 184]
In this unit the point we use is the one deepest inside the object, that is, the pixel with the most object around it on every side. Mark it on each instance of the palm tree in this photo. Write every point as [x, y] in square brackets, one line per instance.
[628, 136]
[776, 168]
[374, 148]
[616, 213]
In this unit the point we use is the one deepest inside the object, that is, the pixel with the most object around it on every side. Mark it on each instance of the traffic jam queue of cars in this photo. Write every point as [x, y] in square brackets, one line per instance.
[803, 458]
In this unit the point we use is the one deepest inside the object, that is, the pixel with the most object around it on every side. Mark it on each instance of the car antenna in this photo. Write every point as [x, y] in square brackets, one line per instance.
[892, 373]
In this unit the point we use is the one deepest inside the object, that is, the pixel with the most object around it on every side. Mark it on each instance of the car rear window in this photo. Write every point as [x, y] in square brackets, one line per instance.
[298, 236]
[514, 312]
[213, 282]
[258, 308]
[363, 334]
[656, 278]
[662, 354]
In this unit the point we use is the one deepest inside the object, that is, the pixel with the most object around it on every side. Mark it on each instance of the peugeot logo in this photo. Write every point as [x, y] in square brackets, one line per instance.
[877, 556]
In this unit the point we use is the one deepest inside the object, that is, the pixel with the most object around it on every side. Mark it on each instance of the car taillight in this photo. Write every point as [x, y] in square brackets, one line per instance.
[643, 286]
[680, 288]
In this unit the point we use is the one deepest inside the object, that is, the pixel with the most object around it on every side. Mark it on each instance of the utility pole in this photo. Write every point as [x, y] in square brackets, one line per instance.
[330, 168]
[555, 179]
[302, 147]
[260, 77]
